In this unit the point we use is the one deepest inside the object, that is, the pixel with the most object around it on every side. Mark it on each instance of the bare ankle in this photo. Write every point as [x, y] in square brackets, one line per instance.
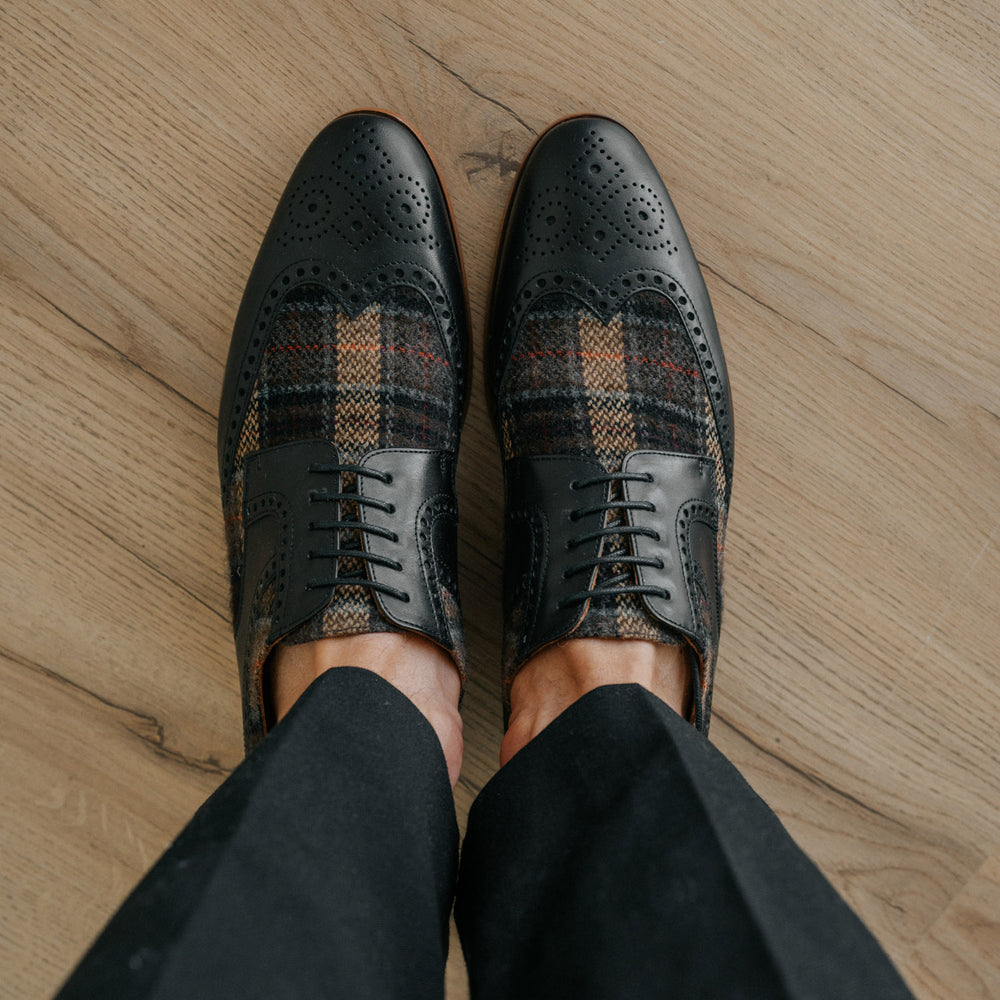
[424, 672]
[558, 675]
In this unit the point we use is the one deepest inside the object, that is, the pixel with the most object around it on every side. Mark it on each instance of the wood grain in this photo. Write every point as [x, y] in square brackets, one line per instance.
[835, 166]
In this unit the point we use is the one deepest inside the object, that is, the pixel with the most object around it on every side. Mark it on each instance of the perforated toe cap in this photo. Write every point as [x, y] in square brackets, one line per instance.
[591, 218]
[364, 211]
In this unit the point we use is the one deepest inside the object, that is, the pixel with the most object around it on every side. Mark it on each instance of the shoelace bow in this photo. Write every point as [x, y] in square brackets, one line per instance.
[618, 584]
[357, 529]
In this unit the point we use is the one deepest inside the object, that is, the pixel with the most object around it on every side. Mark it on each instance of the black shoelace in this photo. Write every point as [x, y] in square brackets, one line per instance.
[618, 584]
[357, 529]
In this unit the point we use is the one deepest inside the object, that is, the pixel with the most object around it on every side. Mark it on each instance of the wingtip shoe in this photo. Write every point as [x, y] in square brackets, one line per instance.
[341, 406]
[612, 405]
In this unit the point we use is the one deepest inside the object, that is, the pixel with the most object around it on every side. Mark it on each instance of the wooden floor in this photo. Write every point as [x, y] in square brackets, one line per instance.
[836, 168]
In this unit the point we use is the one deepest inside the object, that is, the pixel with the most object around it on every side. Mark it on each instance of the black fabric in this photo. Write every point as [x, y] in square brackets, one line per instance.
[620, 854]
[322, 867]
[617, 855]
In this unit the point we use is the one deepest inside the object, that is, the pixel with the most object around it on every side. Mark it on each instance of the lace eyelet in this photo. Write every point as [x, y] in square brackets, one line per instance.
[388, 479]
[391, 509]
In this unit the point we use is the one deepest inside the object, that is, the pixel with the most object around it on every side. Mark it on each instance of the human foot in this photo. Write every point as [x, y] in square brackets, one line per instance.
[423, 671]
[559, 674]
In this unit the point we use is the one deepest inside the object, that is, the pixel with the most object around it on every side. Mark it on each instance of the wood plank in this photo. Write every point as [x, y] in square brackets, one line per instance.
[118, 590]
[959, 955]
[90, 798]
[836, 171]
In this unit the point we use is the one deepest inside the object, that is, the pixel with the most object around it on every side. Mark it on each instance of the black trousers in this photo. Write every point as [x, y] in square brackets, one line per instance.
[617, 855]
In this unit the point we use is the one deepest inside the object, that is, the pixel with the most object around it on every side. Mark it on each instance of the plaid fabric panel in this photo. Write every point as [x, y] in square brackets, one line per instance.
[578, 386]
[574, 383]
[380, 380]
[377, 380]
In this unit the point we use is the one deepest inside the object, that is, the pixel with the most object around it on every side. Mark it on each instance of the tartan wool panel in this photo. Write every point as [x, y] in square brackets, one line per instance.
[378, 380]
[579, 386]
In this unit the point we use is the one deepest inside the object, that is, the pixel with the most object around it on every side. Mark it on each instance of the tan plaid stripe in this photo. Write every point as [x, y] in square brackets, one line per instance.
[506, 444]
[233, 506]
[714, 449]
[250, 434]
[359, 372]
[602, 355]
[356, 431]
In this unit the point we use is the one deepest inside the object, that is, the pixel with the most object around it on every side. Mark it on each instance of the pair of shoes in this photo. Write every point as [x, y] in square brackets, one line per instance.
[347, 382]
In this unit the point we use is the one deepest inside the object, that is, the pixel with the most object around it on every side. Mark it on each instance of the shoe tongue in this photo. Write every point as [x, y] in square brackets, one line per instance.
[622, 616]
[350, 538]
[616, 544]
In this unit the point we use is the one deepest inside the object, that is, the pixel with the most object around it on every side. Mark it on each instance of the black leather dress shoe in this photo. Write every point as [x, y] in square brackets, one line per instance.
[341, 407]
[613, 407]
